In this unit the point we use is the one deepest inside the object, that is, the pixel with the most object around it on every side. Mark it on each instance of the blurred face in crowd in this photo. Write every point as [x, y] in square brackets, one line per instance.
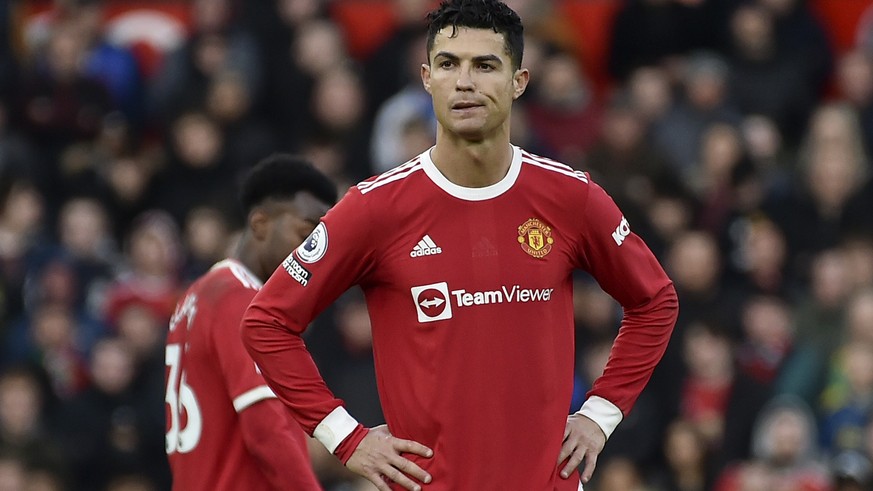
[297, 12]
[708, 356]
[859, 369]
[318, 48]
[472, 82]
[832, 177]
[649, 88]
[154, 247]
[752, 31]
[684, 446]
[860, 317]
[83, 226]
[23, 210]
[20, 403]
[829, 285]
[112, 366]
[206, 234]
[855, 77]
[228, 99]
[339, 99]
[761, 136]
[141, 329]
[789, 436]
[721, 151]
[53, 328]
[562, 85]
[695, 262]
[764, 250]
[198, 140]
[767, 322]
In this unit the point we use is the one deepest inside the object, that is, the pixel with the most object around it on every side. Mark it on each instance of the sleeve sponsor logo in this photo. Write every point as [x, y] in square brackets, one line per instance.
[621, 232]
[313, 248]
[296, 270]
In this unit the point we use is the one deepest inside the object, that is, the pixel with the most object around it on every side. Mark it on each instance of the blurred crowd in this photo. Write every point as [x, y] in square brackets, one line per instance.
[734, 136]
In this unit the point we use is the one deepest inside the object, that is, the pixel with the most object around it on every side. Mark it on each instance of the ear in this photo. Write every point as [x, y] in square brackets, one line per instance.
[259, 224]
[519, 82]
[425, 76]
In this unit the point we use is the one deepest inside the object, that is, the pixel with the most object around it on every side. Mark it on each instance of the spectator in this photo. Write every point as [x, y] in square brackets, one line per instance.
[785, 454]
[717, 399]
[217, 46]
[626, 164]
[23, 415]
[704, 87]
[762, 81]
[104, 431]
[22, 222]
[383, 75]
[688, 461]
[206, 238]
[151, 277]
[406, 110]
[564, 114]
[800, 34]
[339, 105]
[59, 106]
[854, 80]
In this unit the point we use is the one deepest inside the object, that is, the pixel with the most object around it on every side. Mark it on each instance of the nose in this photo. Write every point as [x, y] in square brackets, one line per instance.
[465, 79]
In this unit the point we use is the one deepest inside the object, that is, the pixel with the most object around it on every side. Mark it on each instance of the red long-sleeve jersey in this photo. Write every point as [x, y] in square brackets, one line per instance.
[470, 296]
[211, 383]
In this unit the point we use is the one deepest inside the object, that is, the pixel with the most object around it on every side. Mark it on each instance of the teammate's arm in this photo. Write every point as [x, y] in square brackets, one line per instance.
[270, 435]
[278, 447]
[628, 271]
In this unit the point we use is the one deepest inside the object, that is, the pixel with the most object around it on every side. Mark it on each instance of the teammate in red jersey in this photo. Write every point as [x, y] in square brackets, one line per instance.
[225, 428]
[465, 255]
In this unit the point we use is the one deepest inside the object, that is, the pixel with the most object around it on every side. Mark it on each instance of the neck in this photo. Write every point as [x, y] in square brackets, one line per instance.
[472, 164]
[247, 255]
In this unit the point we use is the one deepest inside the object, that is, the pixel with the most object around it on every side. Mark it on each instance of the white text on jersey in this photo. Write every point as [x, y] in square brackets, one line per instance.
[463, 298]
[621, 232]
[425, 247]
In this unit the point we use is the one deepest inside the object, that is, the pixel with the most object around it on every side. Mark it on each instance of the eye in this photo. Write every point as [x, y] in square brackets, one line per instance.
[486, 67]
[446, 64]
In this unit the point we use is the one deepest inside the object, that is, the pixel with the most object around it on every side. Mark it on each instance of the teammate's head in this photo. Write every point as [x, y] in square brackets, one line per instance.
[284, 198]
[479, 14]
[281, 177]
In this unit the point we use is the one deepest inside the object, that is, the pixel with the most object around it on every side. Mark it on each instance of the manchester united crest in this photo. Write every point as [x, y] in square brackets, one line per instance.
[535, 238]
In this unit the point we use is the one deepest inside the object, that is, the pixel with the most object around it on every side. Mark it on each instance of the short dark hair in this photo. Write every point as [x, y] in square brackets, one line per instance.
[282, 176]
[479, 14]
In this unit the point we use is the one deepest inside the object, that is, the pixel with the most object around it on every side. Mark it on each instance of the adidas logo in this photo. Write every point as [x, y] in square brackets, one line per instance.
[425, 247]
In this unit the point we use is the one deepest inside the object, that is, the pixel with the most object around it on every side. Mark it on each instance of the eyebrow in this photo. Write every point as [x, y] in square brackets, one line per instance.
[476, 59]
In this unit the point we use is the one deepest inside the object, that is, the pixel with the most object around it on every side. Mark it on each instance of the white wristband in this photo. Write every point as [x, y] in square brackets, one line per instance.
[606, 414]
[334, 428]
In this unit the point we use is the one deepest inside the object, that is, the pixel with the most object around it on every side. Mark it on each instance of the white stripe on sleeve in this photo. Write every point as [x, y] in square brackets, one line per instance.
[257, 394]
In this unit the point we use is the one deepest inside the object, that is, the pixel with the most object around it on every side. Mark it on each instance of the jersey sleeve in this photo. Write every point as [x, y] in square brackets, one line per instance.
[243, 381]
[627, 270]
[337, 255]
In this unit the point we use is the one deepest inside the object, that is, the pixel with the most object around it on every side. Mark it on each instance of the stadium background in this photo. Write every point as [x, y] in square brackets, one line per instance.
[736, 136]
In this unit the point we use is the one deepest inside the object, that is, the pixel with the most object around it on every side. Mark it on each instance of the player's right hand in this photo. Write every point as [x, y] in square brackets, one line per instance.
[379, 458]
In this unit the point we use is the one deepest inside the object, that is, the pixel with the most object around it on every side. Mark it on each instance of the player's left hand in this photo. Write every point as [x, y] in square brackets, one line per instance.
[583, 440]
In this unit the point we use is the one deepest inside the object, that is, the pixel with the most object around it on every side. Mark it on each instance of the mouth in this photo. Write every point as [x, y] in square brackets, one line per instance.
[460, 106]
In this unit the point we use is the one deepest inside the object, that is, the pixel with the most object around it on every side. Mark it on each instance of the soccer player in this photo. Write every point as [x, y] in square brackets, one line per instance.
[225, 428]
[465, 254]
